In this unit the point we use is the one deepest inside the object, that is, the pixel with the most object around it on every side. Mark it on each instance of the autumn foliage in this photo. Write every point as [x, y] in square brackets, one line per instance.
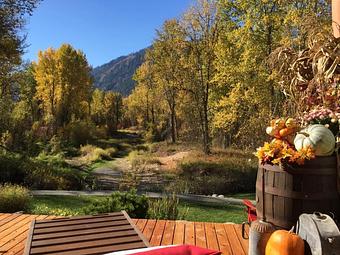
[212, 75]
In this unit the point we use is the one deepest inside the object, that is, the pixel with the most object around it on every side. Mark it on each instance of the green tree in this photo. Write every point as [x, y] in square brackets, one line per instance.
[25, 108]
[13, 14]
[12, 19]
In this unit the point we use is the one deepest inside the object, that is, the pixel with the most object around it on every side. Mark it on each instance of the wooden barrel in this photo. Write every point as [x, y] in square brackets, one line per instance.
[291, 191]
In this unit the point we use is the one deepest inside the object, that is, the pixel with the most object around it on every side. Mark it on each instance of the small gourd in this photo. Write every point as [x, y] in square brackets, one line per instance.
[272, 132]
[318, 137]
[280, 123]
[283, 242]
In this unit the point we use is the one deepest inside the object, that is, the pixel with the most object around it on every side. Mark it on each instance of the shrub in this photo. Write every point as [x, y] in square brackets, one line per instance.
[111, 151]
[11, 168]
[136, 206]
[52, 172]
[79, 132]
[91, 153]
[54, 145]
[223, 173]
[13, 198]
[6, 139]
[43, 172]
[165, 208]
[139, 159]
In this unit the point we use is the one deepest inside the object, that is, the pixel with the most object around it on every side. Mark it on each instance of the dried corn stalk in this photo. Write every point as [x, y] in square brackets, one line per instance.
[310, 77]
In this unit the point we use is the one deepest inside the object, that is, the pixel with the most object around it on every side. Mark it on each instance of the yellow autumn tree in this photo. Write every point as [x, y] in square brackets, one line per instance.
[97, 107]
[166, 57]
[112, 105]
[202, 28]
[146, 103]
[248, 95]
[63, 84]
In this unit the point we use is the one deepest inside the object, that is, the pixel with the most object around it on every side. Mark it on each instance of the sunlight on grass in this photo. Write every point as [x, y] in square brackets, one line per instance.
[250, 196]
[61, 205]
[74, 205]
[214, 213]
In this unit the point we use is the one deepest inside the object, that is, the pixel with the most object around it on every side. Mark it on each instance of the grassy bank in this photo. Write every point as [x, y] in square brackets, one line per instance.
[74, 205]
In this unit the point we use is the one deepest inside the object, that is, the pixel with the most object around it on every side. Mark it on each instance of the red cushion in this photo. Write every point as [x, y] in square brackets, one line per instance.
[180, 250]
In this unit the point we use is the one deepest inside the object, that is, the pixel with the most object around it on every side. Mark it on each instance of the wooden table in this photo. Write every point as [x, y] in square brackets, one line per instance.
[82, 235]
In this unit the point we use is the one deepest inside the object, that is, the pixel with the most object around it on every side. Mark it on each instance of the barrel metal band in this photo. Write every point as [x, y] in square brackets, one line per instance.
[298, 195]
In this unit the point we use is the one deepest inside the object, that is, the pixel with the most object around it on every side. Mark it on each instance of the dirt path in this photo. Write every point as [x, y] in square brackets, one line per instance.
[169, 163]
[119, 172]
[110, 175]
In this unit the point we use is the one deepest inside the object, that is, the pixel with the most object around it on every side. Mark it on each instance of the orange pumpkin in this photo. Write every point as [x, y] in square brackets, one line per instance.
[286, 131]
[283, 242]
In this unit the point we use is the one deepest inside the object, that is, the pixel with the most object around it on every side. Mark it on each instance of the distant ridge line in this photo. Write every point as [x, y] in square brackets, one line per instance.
[117, 74]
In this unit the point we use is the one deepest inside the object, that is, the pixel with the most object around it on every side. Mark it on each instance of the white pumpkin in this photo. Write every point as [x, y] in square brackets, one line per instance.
[318, 137]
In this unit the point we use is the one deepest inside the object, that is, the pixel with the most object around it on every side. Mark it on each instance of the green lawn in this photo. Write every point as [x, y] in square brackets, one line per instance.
[214, 213]
[61, 205]
[250, 196]
[73, 205]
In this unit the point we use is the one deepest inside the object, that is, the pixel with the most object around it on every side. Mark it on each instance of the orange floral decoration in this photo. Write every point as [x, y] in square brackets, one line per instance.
[280, 151]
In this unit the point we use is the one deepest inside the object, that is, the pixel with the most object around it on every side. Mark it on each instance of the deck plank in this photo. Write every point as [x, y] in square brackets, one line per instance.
[168, 234]
[218, 236]
[14, 226]
[212, 242]
[189, 236]
[157, 235]
[141, 224]
[179, 233]
[200, 237]
[244, 243]
[18, 243]
[15, 230]
[10, 221]
[9, 217]
[223, 239]
[148, 230]
[4, 216]
[235, 244]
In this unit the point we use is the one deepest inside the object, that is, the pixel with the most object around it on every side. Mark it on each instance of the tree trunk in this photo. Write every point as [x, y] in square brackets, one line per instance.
[147, 111]
[173, 123]
[153, 115]
[117, 112]
[206, 136]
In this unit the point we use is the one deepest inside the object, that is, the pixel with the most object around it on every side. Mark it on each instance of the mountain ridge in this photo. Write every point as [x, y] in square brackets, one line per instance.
[116, 75]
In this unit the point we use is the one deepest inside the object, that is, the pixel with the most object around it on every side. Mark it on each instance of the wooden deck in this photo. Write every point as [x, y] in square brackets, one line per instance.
[219, 236]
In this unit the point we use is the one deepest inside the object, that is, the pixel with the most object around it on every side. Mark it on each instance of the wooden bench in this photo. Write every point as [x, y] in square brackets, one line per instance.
[97, 234]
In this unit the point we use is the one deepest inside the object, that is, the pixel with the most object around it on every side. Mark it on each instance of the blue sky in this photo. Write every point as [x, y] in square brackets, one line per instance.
[102, 29]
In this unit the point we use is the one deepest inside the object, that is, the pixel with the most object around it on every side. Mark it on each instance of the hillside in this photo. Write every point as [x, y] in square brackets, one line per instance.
[117, 74]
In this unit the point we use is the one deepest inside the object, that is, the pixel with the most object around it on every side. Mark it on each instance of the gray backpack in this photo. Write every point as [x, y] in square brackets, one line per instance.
[320, 233]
